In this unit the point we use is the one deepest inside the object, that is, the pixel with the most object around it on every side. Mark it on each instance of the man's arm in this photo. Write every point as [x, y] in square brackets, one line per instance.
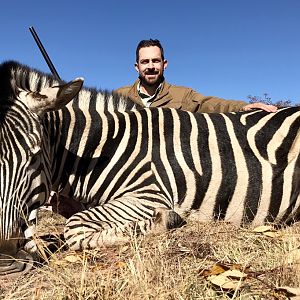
[197, 102]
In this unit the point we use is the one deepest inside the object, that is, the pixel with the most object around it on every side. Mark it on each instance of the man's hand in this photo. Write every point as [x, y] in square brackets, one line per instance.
[259, 105]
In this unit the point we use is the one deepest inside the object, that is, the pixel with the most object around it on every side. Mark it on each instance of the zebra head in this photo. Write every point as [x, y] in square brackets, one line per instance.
[24, 164]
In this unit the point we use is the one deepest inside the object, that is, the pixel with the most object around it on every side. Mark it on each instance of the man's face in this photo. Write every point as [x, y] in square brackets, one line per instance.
[150, 66]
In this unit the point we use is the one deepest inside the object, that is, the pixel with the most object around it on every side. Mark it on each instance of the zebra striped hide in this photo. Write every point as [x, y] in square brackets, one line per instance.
[139, 171]
[240, 167]
[123, 167]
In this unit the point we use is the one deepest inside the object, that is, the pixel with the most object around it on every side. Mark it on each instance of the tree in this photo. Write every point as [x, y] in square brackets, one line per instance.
[268, 100]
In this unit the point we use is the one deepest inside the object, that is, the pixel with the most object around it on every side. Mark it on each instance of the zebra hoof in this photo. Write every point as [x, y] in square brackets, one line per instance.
[166, 219]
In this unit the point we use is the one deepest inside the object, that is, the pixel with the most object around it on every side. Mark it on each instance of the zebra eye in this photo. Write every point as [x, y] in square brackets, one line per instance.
[34, 150]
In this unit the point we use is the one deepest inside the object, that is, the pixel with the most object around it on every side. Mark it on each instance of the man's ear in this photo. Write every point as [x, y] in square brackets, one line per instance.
[165, 64]
[136, 67]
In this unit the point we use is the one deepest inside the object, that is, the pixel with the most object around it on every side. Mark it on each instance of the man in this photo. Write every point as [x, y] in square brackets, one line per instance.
[151, 89]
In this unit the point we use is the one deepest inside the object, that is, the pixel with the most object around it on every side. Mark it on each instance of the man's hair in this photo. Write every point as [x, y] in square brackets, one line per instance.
[148, 43]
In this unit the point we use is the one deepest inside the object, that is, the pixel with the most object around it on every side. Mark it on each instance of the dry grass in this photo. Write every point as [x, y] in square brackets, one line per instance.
[175, 265]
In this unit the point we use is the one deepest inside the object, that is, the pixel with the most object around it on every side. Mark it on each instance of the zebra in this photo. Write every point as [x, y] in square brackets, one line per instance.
[137, 171]
[168, 165]
[24, 164]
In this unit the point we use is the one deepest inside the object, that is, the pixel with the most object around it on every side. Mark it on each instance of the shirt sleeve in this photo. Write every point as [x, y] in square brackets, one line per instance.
[197, 102]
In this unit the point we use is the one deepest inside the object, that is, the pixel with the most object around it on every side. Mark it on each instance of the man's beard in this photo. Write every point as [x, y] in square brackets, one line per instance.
[146, 82]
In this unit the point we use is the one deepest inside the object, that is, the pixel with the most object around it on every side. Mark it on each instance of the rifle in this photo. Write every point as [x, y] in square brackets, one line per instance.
[44, 53]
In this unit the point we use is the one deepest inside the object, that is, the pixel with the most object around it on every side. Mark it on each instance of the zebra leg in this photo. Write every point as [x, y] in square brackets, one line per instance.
[105, 226]
[65, 206]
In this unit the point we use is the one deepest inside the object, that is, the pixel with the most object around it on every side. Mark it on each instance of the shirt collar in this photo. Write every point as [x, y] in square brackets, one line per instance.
[146, 99]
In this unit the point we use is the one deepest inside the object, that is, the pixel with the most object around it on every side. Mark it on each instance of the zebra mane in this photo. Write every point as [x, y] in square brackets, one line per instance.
[14, 75]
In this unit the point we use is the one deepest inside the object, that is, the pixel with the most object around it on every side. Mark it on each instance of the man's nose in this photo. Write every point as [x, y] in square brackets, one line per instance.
[151, 65]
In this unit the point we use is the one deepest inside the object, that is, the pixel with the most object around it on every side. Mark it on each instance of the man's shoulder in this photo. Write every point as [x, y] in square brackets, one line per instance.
[123, 89]
[178, 88]
[126, 89]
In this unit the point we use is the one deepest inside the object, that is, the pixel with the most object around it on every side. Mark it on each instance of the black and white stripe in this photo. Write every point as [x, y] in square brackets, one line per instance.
[239, 167]
[25, 178]
[140, 170]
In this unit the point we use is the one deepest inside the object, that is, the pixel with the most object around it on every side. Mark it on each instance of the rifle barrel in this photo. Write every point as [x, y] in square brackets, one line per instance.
[44, 53]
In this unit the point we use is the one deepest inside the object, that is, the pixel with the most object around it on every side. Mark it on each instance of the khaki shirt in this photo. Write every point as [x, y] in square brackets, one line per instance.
[183, 98]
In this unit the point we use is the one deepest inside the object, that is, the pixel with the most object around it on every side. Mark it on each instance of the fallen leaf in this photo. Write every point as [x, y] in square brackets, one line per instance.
[267, 230]
[72, 258]
[235, 274]
[272, 234]
[291, 293]
[225, 282]
[236, 267]
[219, 268]
[214, 270]
[263, 228]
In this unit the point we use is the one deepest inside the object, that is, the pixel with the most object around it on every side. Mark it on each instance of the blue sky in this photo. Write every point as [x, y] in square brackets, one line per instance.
[225, 48]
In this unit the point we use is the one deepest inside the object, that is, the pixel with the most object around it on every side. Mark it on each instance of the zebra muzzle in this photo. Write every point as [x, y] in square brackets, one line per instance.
[10, 265]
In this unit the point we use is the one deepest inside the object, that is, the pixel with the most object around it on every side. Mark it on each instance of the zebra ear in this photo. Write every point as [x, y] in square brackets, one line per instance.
[53, 98]
[67, 92]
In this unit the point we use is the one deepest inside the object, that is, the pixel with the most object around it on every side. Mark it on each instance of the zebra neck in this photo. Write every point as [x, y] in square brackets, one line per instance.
[82, 145]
